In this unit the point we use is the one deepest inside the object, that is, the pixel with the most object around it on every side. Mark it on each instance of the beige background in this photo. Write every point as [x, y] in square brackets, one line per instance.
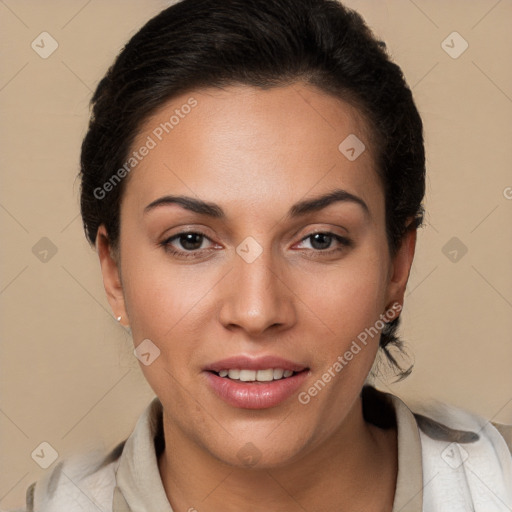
[68, 375]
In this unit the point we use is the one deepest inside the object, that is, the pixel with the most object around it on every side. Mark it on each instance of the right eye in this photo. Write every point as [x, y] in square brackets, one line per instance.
[190, 241]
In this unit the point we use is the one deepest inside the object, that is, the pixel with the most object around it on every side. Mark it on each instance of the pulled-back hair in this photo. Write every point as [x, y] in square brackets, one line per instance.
[206, 43]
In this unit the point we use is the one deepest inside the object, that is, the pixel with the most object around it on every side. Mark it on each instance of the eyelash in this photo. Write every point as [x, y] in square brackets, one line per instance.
[166, 244]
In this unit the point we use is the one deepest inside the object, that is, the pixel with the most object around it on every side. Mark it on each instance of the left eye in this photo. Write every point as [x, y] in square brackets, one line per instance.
[322, 241]
[190, 241]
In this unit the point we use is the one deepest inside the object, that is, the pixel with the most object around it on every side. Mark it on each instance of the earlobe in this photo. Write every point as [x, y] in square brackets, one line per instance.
[111, 274]
[401, 267]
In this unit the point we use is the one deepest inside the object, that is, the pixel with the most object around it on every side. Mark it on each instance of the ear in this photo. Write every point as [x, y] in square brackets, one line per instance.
[400, 268]
[111, 275]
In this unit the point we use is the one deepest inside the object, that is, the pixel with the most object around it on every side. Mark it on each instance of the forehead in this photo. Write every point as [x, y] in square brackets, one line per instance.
[247, 145]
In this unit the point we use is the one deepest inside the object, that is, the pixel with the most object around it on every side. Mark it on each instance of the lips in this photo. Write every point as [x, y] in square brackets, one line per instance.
[250, 393]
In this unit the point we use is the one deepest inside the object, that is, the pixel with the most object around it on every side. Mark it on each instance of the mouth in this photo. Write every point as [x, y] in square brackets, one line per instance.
[255, 383]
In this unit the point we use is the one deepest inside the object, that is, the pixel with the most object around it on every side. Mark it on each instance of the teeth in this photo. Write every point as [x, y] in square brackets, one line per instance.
[278, 373]
[234, 374]
[267, 375]
[247, 375]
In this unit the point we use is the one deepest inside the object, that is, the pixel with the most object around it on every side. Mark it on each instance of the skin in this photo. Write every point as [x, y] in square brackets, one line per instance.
[256, 153]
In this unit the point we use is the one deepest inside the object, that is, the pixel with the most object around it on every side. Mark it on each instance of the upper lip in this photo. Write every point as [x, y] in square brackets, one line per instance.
[254, 363]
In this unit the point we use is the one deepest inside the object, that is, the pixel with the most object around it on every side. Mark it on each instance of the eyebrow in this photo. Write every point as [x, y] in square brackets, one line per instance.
[298, 209]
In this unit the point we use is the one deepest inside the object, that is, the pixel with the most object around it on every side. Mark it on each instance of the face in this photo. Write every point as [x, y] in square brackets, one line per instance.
[262, 278]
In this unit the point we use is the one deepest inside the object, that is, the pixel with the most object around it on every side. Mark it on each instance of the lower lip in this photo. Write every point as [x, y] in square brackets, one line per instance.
[255, 395]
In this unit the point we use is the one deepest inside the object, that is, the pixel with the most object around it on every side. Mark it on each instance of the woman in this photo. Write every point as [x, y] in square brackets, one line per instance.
[252, 179]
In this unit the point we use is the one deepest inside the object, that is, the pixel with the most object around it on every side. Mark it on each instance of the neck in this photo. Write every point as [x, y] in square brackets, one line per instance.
[354, 468]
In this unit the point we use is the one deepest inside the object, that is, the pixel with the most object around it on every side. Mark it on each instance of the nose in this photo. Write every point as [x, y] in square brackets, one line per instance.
[256, 297]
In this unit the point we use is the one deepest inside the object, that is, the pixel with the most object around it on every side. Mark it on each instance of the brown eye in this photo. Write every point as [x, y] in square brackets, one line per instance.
[190, 241]
[322, 241]
[188, 244]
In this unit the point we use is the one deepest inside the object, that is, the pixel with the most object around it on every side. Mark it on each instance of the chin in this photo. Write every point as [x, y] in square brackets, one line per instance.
[264, 451]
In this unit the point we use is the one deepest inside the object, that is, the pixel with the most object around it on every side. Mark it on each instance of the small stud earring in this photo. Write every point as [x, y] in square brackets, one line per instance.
[119, 318]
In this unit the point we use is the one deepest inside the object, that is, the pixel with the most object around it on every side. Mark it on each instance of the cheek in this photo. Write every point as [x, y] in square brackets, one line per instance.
[349, 302]
[355, 303]
[351, 297]
[159, 293]
[162, 299]
[165, 303]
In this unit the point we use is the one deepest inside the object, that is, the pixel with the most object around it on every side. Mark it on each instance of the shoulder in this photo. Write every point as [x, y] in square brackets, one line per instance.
[435, 420]
[465, 459]
[86, 481]
[82, 482]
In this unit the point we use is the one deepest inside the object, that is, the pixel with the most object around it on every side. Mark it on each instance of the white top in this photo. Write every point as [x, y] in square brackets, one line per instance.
[448, 460]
